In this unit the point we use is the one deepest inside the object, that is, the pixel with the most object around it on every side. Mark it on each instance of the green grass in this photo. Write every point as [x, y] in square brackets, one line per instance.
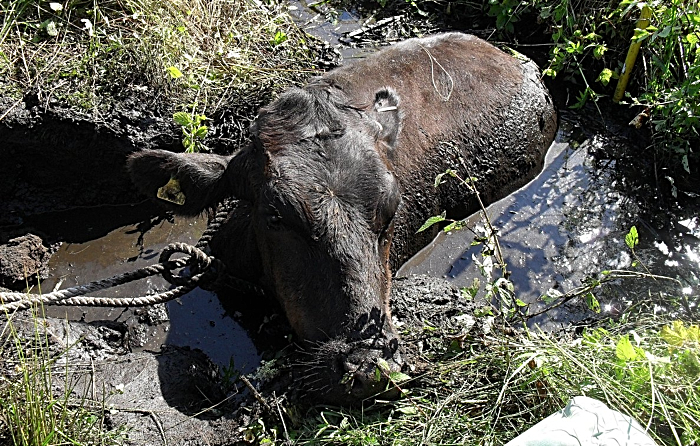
[32, 411]
[492, 388]
[178, 55]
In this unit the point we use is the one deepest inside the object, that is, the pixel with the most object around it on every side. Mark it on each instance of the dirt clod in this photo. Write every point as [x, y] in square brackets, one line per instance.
[23, 258]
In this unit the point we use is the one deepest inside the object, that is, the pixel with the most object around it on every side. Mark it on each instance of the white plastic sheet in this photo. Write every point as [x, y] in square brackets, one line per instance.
[585, 422]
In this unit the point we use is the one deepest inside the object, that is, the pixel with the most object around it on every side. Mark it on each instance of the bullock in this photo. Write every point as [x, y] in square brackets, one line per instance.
[338, 176]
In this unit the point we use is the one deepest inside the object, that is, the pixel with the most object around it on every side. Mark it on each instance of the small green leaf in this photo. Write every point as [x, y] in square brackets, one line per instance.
[599, 50]
[666, 31]
[431, 221]
[398, 377]
[592, 302]
[550, 296]
[471, 292]
[346, 379]
[174, 72]
[454, 226]
[675, 334]
[280, 37]
[409, 410]
[605, 76]
[383, 365]
[182, 118]
[632, 238]
[438, 179]
[624, 349]
[201, 132]
[483, 311]
[50, 27]
[520, 303]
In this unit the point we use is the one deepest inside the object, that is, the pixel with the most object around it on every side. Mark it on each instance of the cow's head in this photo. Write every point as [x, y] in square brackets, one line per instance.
[323, 200]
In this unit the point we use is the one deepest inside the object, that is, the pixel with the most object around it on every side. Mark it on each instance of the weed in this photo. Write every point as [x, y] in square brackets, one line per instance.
[500, 385]
[193, 131]
[31, 412]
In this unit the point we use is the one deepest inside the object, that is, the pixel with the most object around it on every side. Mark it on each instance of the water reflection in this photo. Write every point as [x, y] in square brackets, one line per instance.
[568, 223]
[195, 320]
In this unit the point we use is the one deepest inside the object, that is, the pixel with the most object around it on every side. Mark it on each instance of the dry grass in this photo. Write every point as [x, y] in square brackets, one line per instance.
[230, 53]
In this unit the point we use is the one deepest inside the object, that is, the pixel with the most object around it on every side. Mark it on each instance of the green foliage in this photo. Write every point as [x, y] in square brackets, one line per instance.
[632, 238]
[591, 41]
[431, 221]
[489, 390]
[32, 413]
[279, 38]
[193, 131]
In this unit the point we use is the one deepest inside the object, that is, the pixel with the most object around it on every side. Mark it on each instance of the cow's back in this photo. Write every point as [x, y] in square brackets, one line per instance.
[461, 98]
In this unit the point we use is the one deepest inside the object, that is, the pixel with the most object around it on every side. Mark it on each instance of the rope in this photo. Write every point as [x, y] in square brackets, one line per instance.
[203, 270]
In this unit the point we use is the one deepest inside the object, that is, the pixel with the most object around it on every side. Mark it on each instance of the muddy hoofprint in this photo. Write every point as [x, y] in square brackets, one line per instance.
[339, 175]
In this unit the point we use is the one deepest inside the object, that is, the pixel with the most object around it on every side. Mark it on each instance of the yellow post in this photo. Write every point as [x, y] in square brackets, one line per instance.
[642, 23]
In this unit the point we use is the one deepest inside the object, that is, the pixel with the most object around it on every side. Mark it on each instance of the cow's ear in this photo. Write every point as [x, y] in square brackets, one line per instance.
[184, 183]
[388, 114]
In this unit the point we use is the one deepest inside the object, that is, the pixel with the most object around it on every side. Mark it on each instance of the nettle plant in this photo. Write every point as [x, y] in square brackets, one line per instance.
[193, 130]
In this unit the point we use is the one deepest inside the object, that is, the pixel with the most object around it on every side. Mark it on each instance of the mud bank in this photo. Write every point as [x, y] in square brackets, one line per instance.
[179, 396]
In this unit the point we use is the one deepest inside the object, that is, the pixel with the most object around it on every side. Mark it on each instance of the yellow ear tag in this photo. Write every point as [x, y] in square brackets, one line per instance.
[171, 192]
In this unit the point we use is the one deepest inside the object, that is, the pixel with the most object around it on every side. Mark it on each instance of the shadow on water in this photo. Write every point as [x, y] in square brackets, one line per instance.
[196, 320]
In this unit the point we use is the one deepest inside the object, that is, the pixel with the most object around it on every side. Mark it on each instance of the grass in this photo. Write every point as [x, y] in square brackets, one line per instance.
[494, 387]
[201, 57]
[32, 411]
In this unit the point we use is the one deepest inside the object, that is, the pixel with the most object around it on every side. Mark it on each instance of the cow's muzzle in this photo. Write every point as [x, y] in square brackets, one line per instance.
[348, 372]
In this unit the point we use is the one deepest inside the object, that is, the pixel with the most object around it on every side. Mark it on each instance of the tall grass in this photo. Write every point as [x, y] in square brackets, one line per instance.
[177, 55]
[490, 389]
[37, 404]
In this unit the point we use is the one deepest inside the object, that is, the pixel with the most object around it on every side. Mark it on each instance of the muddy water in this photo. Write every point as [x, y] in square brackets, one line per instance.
[195, 320]
[568, 224]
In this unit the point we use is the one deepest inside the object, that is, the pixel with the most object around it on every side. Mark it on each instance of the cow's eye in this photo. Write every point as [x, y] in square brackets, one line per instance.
[387, 227]
[274, 220]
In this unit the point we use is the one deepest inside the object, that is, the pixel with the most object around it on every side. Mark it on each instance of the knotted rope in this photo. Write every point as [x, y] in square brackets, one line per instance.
[203, 270]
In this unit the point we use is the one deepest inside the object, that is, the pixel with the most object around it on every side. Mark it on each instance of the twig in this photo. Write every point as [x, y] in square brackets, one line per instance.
[279, 411]
[612, 275]
[256, 394]
[7, 112]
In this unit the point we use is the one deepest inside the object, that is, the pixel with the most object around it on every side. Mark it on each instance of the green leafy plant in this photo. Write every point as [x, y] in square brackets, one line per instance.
[193, 131]
[496, 288]
[590, 41]
[279, 38]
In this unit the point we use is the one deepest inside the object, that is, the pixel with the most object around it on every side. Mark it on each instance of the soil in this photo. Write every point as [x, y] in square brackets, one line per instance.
[22, 257]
